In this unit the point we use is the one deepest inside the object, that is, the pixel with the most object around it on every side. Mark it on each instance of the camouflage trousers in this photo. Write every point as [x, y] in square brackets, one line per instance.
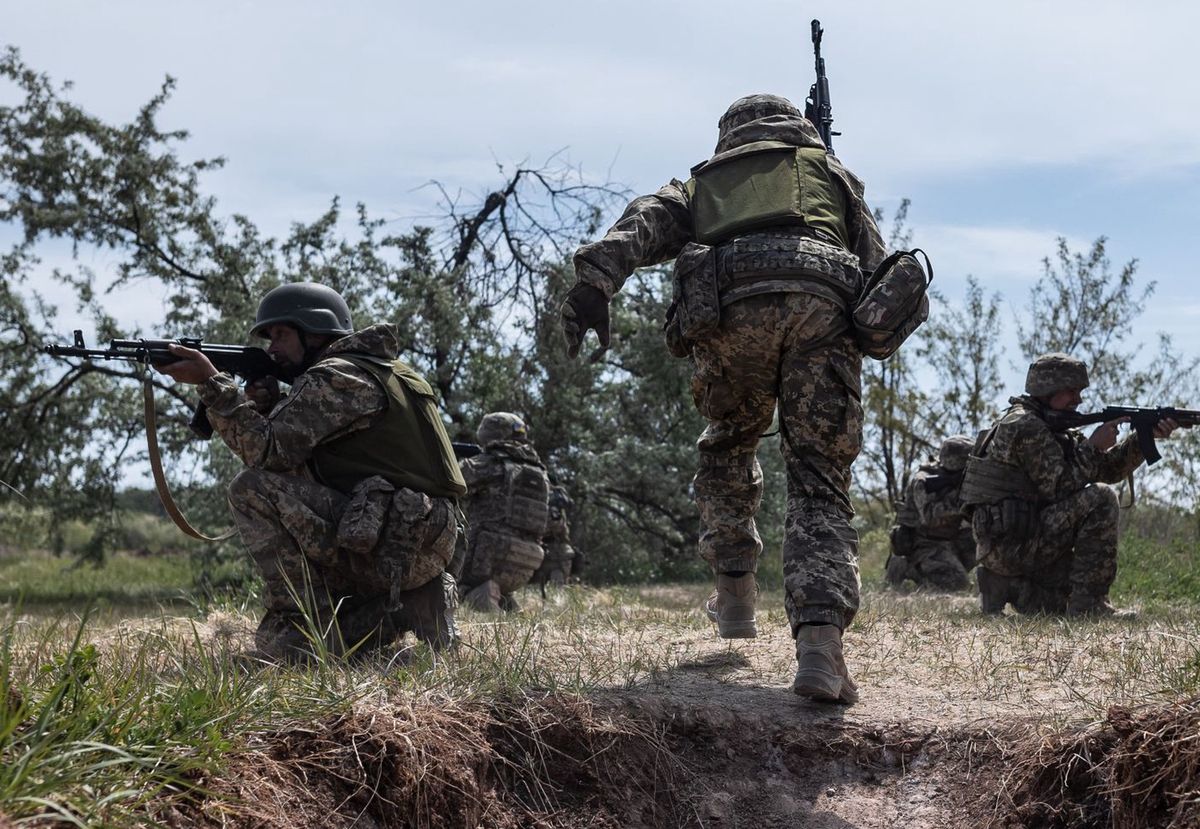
[1072, 556]
[790, 350]
[942, 563]
[353, 564]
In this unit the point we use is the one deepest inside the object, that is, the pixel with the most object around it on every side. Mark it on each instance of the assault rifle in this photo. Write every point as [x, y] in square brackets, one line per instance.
[462, 451]
[1143, 421]
[936, 483]
[248, 362]
[817, 107]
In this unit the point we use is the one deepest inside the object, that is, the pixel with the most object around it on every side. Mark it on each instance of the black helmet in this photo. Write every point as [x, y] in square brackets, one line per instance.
[310, 306]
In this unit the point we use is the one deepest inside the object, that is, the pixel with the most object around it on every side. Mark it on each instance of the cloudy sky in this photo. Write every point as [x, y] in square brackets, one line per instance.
[1006, 124]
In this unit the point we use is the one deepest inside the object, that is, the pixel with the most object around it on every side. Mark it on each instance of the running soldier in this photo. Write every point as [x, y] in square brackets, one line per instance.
[1043, 517]
[931, 541]
[347, 502]
[507, 509]
[769, 237]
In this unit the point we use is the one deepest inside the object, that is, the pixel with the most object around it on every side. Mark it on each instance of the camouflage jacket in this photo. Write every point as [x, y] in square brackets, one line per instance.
[654, 229]
[558, 531]
[937, 514]
[1058, 463]
[333, 398]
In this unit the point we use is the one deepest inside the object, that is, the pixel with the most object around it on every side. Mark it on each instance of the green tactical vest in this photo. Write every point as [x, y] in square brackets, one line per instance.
[409, 447]
[766, 184]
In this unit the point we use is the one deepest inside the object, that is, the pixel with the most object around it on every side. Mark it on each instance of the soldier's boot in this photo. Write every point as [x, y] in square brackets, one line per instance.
[428, 611]
[509, 603]
[484, 597]
[995, 591]
[731, 606]
[821, 674]
[1097, 608]
[897, 570]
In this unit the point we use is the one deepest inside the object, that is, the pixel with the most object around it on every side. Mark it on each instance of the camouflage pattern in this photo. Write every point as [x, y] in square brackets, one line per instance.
[361, 552]
[507, 509]
[1073, 553]
[1055, 372]
[788, 350]
[954, 451]
[785, 349]
[501, 426]
[556, 567]
[942, 548]
[754, 108]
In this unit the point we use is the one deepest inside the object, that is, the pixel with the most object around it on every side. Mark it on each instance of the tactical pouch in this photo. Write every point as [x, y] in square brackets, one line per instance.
[697, 294]
[893, 304]
[513, 560]
[1013, 520]
[677, 346]
[365, 514]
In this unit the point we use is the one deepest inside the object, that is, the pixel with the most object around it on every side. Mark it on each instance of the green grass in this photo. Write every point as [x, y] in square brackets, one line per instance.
[1157, 571]
[123, 580]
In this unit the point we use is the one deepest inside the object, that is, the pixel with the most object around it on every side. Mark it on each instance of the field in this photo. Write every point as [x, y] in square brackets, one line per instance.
[595, 707]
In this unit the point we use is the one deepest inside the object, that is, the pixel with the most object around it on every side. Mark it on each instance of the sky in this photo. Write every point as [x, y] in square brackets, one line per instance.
[1007, 125]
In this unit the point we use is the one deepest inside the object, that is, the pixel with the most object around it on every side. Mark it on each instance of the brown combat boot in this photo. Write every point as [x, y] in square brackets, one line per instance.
[731, 606]
[821, 673]
[484, 597]
[1102, 608]
[428, 611]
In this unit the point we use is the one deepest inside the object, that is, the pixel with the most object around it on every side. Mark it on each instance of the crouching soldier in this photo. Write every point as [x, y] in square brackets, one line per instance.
[556, 566]
[1043, 517]
[932, 543]
[507, 510]
[348, 499]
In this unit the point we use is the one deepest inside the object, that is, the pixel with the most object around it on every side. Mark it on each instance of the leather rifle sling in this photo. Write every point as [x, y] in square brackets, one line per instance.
[160, 480]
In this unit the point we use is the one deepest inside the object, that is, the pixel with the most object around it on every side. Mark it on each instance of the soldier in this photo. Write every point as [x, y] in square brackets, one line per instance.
[770, 236]
[507, 509]
[931, 541]
[347, 501]
[1045, 522]
[556, 567]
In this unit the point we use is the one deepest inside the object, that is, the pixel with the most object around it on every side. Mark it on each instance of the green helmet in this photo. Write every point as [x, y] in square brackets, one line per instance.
[498, 426]
[751, 108]
[1055, 372]
[953, 455]
[310, 306]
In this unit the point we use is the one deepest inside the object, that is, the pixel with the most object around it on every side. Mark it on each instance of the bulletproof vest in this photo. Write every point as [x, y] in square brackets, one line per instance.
[766, 184]
[526, 491]
[989, 481]
[409, 447]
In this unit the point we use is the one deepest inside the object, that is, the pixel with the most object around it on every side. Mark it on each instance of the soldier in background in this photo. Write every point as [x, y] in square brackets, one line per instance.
[556, 567]
[931, 541]
[1044, 520]
[770, 237]
[348, 498]
[507, 509]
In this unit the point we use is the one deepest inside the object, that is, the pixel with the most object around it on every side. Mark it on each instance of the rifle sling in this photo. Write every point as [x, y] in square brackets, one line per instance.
[160, 480]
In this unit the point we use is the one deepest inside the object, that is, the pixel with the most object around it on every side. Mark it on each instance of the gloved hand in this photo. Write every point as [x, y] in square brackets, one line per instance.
[584, 309]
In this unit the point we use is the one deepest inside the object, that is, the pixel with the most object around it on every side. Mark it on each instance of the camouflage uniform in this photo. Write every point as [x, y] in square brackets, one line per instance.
[556, 567]
[507, 510]
[1066, 556]
[932, 541]
[782, 341]
[371, 550]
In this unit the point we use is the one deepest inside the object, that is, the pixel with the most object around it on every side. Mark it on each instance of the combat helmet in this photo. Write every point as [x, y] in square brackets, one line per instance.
[954, 452]
[751, 108]
[309, 306]
[1055, 372]
[498, 426]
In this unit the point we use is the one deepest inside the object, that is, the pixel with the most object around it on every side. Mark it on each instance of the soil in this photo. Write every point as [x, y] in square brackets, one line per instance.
[951, 704]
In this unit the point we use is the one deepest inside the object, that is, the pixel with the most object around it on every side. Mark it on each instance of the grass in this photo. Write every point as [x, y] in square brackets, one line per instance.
[125, 580]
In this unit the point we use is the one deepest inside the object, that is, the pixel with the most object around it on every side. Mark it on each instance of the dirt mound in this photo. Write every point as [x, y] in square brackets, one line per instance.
[1138, 768]
[435, 764]
[625, 760]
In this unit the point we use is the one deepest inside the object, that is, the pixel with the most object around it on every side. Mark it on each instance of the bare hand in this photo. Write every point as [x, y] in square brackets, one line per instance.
[1105, 436]
[192, 367]
[1165, 427]
[263, 393]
